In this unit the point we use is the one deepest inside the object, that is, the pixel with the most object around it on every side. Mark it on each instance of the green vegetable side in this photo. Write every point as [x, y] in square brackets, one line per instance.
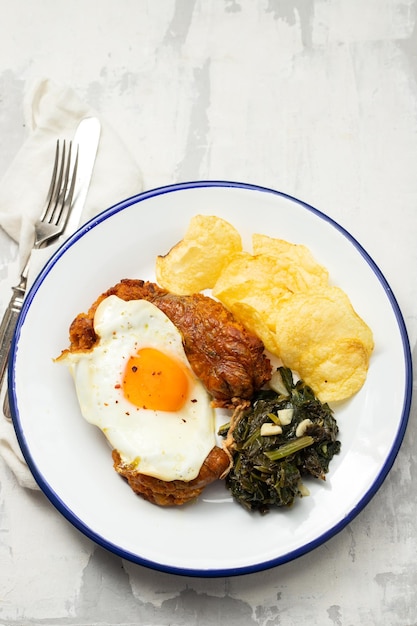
[286, 434]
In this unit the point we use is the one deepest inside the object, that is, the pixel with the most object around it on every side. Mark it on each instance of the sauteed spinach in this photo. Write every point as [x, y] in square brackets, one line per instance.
[284, 435]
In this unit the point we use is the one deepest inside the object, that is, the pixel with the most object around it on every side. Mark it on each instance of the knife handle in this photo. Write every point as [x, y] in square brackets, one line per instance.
[7, 327]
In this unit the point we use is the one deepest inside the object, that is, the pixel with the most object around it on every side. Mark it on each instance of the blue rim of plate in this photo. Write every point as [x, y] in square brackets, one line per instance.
[209, 573]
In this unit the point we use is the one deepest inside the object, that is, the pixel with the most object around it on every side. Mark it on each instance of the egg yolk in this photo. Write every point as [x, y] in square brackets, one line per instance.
[153, 380]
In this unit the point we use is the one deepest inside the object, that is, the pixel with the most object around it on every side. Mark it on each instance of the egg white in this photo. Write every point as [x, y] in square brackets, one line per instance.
[166, 445]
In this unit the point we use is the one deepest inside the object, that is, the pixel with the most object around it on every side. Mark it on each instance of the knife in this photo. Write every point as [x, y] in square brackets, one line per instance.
[86, 139]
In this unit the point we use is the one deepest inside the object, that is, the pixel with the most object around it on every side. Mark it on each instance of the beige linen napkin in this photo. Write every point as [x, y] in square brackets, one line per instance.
[53, 112]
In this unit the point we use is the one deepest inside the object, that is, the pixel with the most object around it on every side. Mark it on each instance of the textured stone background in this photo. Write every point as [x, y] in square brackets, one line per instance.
[316, 98]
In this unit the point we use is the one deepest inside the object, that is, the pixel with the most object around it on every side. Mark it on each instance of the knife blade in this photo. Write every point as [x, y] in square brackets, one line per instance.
[87, 137]
[86, 140]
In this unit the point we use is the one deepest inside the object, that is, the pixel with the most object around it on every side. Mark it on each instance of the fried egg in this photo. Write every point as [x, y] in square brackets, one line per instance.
[137, 386]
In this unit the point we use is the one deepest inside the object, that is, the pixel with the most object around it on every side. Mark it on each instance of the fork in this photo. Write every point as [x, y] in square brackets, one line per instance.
[59, 199]
[47, 228]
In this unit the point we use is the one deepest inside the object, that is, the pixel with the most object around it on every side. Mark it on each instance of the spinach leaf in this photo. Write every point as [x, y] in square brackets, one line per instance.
[268, 469]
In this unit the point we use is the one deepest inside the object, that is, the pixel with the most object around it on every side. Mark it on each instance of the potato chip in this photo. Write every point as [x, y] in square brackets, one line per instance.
[336, 370]
[259, 281]
[322, 338]
[247, 313]
[281, 294]
[195, 263]
[254, 281]
[291, 256]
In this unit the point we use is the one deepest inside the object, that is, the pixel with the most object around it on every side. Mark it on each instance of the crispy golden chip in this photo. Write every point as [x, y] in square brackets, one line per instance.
[280, 293]
[322, 338]
[248, 314]
[259, 281]
[336, 370]
[195, 263]
[254, 281]
[290, 256]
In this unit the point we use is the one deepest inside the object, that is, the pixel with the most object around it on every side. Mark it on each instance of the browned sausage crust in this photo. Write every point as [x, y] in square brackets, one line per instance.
[175, 492]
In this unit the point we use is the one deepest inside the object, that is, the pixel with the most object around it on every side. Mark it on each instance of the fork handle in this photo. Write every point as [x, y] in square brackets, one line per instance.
[8, 325]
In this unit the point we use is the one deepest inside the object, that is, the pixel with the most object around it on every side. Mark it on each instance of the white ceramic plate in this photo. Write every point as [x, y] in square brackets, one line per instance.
[70, 459]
